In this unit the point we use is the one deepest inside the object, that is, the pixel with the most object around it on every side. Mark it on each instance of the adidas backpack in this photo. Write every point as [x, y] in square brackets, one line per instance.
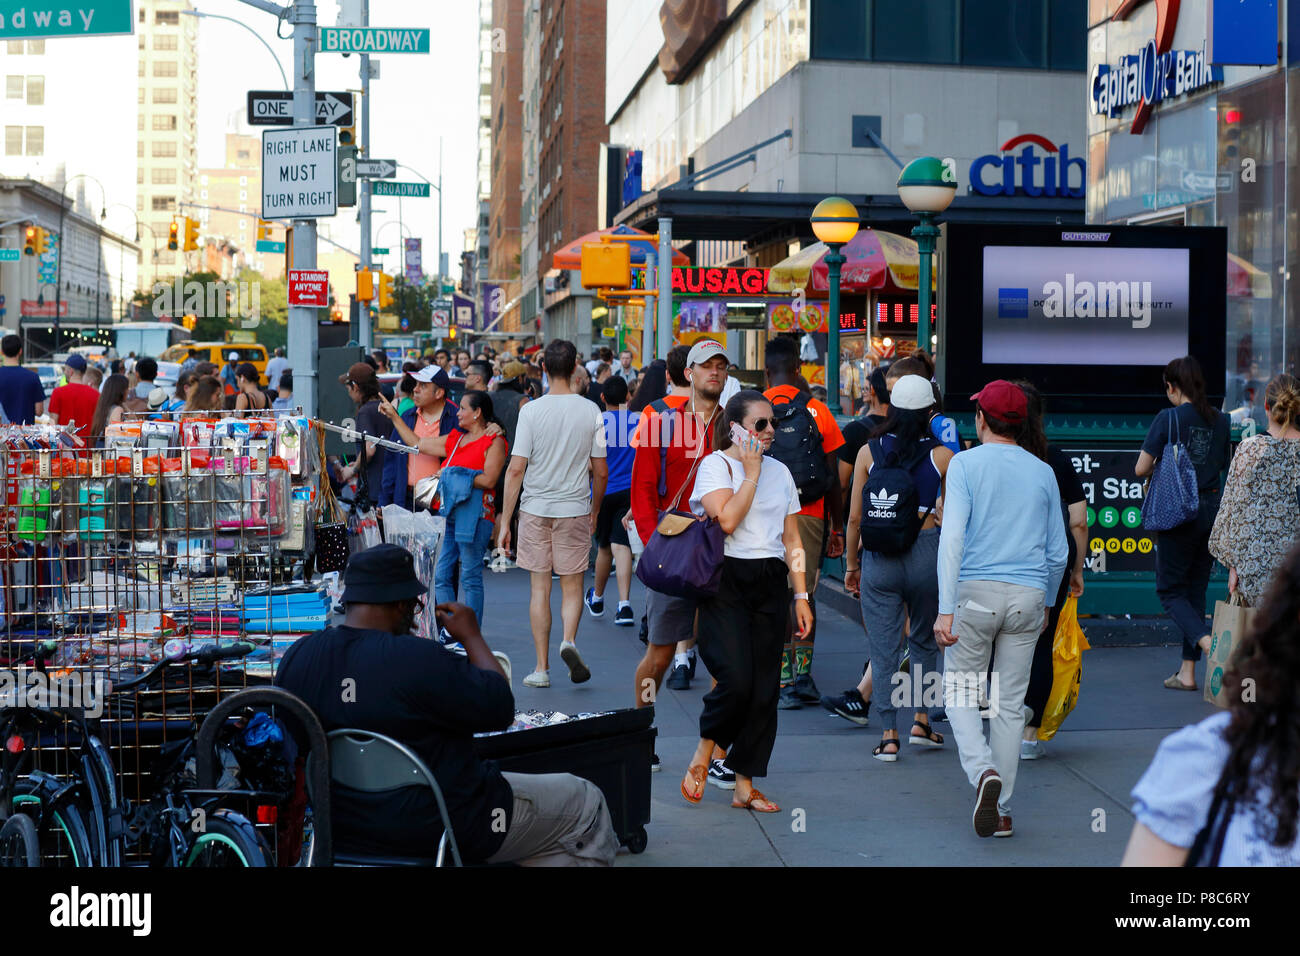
[798, 446]
[890, 522]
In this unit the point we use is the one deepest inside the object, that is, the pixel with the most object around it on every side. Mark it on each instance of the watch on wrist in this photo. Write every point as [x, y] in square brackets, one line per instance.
[801, 596]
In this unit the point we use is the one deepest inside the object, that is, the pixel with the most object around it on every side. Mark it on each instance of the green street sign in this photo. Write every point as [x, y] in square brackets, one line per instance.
[384, 187]
[9, 255]
[100, 18]
[379, 251]
[373, 40]
[269, 245]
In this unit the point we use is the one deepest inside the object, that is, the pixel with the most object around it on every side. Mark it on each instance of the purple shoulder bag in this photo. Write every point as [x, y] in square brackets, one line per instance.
[683, 558]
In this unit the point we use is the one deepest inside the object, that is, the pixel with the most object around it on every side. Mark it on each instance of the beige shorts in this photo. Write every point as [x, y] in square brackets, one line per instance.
[562, 545]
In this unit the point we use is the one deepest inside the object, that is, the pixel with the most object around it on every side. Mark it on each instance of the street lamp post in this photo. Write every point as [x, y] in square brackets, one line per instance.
[834, 222]
[926, 187]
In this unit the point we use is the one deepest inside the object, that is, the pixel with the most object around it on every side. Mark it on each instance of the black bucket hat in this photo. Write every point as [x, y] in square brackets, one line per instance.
[383, 574]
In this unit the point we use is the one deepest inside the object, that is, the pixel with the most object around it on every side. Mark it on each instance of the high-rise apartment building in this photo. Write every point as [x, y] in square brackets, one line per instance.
[530, 306]
[482, 234]
[234, 195]
[572, 127]
[167, 123]
[503, 216]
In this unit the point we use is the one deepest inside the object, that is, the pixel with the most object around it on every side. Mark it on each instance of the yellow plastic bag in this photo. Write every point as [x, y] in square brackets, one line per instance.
[1068, 645]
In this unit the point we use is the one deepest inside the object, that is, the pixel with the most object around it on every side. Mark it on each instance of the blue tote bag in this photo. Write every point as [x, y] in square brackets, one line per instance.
[1172, 494]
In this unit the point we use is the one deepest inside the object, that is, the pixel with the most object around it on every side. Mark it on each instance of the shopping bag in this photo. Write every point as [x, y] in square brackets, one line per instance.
[1068, 645]
[1231, 621]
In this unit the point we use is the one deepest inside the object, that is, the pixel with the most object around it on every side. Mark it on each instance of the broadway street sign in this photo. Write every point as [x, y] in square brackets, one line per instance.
[373, 40]
[82, 20]
[417, 190]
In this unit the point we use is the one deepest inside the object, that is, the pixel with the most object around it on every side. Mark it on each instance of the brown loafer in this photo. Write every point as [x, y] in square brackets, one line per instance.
[985, 818]
[1004, 827]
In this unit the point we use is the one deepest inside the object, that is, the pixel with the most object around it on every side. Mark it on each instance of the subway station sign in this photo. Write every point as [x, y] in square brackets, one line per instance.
[1116, 538]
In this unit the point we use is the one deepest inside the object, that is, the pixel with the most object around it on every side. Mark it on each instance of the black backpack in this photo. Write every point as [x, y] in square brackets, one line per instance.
[798, 446]
[890, 522]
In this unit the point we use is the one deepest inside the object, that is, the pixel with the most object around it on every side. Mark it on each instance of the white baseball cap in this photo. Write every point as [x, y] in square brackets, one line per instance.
[911, 392]
[703, 350]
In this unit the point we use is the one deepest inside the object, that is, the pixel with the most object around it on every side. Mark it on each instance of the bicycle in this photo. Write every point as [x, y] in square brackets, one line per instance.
[81, 819]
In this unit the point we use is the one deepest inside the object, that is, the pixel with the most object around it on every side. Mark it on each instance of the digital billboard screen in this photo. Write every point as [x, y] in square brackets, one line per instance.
[1090, 314]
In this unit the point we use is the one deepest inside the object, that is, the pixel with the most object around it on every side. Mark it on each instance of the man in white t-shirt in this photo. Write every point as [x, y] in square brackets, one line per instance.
[559, 442]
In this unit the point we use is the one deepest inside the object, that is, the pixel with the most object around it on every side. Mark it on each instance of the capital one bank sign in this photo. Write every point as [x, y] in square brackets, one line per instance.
[1157, 72]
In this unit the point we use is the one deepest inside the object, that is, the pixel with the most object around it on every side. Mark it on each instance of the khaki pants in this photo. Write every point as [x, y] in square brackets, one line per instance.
[557, 820]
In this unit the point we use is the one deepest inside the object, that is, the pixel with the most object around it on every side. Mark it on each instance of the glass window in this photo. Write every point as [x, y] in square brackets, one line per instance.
[139, 149]
[15, 48]
[165, 95]
[35, 47]
[165, 42]
[839, 30]
[13, 140]
[1096, 188]
[1185, 156]
[1009, 33]
[164, 68]
[141, 91]
[1067, 37]
[163, 203]
[164, 150]
[167, 17]
[36, 141]
[163, 177]
[1130, 174]
[35, 91]
[164, 122]
[921, 31]
[13, 87]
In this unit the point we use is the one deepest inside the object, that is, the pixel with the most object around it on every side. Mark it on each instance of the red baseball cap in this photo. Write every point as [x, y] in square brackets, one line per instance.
[1003, 401]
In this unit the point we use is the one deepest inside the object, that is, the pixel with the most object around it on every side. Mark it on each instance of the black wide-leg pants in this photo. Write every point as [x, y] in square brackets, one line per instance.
[741, 634]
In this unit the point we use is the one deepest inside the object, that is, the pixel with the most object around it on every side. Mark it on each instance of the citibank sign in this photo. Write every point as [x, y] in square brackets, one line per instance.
[1004, 174]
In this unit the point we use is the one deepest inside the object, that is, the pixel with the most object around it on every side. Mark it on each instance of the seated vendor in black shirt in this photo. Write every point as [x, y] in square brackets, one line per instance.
[371, 673]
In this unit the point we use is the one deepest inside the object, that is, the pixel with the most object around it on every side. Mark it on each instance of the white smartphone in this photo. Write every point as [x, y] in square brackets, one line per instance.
[738, 434]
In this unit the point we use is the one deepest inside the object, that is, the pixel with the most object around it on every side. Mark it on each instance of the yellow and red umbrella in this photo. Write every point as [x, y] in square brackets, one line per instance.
[569, 256]
[876, 261]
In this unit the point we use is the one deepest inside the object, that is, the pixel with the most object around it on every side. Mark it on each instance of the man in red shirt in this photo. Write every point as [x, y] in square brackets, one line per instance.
[818, 516]
[672, 619]
[76, 401]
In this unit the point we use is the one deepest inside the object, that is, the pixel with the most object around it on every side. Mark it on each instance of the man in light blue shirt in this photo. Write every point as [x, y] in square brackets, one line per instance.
[1001, 552]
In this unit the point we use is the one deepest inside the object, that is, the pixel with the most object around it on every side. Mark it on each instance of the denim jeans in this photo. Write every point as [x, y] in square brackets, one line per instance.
[1183, 566]
[470, 555]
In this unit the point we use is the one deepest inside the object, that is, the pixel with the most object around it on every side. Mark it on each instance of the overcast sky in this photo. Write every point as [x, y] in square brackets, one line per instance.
[418, 98]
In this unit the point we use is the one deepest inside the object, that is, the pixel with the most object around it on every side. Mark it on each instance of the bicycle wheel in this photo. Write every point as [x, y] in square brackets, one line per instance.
[19, 845]
[228, 840]
[64, 839]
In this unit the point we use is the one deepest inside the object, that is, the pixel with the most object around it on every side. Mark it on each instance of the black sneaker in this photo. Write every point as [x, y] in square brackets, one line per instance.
[624, 617]
[789, 700]
[806, 690]
[595, 605]
[690, 663]
[720, 776]
[849, 705]
[680, 678]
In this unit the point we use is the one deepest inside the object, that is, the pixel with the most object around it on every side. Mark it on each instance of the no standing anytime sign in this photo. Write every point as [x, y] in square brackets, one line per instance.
[299, 172]
[310, 288]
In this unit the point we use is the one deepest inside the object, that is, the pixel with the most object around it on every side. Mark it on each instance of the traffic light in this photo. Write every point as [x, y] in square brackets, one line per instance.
[189, 321]
[263, 230]
[191, 234]
[347, 136]
[365, 285]
[451, 333]
[173, 236]
[42, 241]
[385, 290]
[29, 240]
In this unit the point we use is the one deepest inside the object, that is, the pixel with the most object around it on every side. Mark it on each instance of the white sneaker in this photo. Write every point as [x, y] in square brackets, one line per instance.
[1031, 749]
[538, 679]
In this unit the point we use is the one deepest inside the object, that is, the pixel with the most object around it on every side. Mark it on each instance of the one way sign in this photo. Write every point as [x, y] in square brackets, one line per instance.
[377, 168]
[275, 108]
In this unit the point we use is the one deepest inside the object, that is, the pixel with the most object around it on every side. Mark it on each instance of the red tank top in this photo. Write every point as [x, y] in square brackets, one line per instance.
[472, 455]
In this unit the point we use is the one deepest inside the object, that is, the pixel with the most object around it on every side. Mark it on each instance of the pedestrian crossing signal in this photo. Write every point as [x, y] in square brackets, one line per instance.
[173, 236]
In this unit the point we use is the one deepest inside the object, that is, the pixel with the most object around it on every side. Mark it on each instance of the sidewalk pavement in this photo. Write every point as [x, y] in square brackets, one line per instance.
[839, 806]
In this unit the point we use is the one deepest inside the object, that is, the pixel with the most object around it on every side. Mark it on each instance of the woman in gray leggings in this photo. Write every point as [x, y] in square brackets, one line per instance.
[898, 558]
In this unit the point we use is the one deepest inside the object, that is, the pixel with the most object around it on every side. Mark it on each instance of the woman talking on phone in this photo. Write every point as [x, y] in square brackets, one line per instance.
[742, 628]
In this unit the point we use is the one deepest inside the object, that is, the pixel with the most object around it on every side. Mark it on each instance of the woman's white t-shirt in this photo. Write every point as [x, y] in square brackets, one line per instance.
[759, 533]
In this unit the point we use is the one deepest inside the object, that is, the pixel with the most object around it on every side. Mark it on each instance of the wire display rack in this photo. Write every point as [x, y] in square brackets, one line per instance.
[173, 536]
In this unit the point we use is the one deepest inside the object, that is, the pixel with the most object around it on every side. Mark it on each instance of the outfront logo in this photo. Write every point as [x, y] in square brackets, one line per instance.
[1020, 175]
